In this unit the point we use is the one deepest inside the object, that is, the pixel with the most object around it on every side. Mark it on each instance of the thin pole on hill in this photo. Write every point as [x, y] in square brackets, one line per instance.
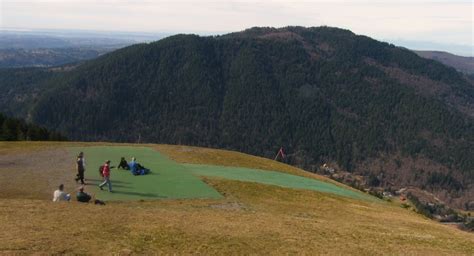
[280, 152]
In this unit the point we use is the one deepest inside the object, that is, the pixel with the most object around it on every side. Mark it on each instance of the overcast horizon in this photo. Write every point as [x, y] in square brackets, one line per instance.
[423, 25]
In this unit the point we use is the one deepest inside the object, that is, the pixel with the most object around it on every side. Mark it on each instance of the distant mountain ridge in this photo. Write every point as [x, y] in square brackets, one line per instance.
[18, 40]
[460, 63]
[325, 94]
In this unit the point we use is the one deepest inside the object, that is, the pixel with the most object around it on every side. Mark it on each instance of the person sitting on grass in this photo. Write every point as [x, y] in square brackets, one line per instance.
[123, 164]
[82, 196]
[60, 195]
[136, 168]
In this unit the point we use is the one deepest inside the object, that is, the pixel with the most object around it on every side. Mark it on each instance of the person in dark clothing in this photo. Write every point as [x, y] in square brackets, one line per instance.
[82, 196]
[80, 166]
[123, 164]
[101, 170]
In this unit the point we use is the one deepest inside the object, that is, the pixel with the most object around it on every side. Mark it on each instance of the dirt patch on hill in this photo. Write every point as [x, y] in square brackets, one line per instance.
[35, 175]
[229, 206]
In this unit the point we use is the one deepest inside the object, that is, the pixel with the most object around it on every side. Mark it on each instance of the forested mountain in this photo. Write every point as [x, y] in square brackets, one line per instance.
[325, 94]
[21, 88]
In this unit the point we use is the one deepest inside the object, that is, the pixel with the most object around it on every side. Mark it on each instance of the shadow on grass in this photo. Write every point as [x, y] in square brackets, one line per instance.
[94, 184]
[148, 174]
[113, 185]
[149, 195]
[100, 181]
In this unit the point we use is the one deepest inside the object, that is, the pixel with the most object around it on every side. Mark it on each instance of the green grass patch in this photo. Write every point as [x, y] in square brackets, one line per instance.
[167, 179]
[275, 178]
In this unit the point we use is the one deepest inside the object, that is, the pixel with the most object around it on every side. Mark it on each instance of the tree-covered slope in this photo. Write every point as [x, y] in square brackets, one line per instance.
[325, 94]
[13, 129]
[21, 88]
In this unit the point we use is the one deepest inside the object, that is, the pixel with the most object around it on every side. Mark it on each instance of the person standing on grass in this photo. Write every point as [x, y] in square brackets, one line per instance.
[106, 175]
[80, 165]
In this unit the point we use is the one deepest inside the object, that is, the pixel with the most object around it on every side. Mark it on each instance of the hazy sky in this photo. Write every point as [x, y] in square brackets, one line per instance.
[442, 22]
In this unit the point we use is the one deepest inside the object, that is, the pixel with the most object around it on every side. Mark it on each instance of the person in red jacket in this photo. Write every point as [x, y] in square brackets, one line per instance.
[106, 175]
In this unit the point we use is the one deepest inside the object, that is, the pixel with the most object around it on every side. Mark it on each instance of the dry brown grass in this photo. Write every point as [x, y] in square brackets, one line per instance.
[251, 219]
[20, 147]
[10, 148]
[35, 174]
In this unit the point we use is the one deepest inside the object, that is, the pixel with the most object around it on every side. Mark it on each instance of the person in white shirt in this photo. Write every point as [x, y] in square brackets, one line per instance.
[60, 195]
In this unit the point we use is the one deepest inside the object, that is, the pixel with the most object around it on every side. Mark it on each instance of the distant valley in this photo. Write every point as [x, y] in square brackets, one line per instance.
[51, 48]
[47, 57]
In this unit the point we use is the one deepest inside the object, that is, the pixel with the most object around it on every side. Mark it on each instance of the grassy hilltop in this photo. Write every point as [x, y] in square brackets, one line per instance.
[247, 217]
[325, 94]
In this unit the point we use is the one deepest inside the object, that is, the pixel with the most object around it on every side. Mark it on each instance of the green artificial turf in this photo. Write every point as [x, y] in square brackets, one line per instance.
[274, 178]
[167, 179]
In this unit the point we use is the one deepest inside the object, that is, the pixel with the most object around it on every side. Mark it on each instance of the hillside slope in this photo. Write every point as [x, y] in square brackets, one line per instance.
[251, 218]
[325, 94]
